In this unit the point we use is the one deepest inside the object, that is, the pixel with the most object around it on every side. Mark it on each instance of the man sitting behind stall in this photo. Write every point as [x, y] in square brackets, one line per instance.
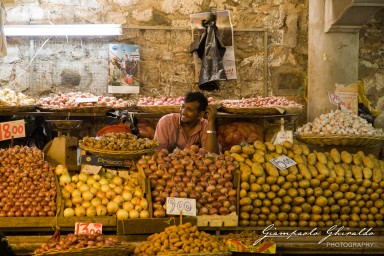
[187, 128]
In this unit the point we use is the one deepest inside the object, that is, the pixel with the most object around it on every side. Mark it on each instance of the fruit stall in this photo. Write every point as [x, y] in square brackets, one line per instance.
[115, 193]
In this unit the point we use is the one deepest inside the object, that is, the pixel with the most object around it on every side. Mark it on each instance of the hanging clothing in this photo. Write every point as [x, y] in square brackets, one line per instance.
[3, 40]
[211, 52]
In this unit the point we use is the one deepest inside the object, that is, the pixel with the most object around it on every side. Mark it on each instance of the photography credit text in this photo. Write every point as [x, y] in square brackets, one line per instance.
[270, 232]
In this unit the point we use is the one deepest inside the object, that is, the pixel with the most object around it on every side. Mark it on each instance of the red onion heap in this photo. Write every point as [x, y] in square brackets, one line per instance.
[27, 183]
[72, 241]
[191, 173]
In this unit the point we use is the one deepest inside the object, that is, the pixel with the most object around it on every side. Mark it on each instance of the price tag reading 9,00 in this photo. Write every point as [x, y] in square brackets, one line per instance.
[88, 228]
[12, 128]
[185, 205]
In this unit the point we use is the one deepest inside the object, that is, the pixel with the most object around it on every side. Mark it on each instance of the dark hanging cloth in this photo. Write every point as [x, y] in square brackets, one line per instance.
[211, 52]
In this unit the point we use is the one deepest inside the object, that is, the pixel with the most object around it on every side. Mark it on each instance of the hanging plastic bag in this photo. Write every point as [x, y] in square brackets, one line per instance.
[211, 52]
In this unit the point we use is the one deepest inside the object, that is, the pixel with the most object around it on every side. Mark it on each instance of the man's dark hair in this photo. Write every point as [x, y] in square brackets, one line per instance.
[199, 97]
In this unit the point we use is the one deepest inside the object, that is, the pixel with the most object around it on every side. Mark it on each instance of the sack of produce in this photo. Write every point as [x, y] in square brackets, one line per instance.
[146, 128]
[235, 133]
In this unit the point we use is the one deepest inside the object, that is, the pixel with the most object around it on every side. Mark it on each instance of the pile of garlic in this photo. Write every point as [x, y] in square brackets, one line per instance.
[339, 122]
[9, 97]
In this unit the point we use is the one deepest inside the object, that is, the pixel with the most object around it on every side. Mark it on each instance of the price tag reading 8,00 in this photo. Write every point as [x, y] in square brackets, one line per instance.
[186, 205]
[282, 162]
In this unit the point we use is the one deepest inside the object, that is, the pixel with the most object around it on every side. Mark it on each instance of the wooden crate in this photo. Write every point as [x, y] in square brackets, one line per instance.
[230, 220]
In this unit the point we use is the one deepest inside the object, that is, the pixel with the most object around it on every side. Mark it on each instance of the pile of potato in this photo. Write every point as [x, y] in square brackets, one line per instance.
[182, 239]
[322, 190]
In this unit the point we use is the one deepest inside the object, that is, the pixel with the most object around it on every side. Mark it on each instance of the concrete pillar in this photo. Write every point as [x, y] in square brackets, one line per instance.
[332, 58]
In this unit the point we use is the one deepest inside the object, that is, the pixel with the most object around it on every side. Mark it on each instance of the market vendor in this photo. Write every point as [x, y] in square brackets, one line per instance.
[189, 127]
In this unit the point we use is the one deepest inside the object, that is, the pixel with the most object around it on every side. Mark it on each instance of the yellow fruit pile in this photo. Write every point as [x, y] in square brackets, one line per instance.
[322, 190]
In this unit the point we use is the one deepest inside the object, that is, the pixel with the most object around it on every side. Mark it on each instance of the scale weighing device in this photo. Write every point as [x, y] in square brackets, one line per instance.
[63, 148]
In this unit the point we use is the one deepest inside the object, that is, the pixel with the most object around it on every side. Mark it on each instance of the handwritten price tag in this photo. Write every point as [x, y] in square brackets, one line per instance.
[12, 128]
[282, 162]
[88, 228]
[186, 205]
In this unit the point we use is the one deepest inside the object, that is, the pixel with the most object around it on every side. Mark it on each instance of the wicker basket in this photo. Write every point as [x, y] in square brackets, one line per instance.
[93, 251]
[79, 109]
[252, 111]
[117, 154]
[340, 140]
[162, 109]
[293, 109]
[17, 108]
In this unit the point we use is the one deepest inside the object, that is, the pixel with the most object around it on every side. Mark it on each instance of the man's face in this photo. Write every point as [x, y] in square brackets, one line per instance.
[189, 112]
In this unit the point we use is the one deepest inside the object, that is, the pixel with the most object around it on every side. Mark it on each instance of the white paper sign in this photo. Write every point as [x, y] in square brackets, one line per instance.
[283, 136]
[186, 205]
[282, 162]
[84, 100]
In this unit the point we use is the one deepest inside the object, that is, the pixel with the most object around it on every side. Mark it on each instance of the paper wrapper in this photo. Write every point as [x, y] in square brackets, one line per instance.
[234, 245]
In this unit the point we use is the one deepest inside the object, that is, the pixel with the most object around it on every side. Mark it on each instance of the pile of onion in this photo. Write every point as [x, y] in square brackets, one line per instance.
[72, 241]
[27, 183]
[191, 173]
[103, 194]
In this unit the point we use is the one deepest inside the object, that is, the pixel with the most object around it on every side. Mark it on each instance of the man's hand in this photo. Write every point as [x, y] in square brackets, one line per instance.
[211, 113]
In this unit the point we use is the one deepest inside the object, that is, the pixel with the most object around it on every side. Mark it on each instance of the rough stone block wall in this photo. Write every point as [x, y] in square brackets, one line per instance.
[73, 64]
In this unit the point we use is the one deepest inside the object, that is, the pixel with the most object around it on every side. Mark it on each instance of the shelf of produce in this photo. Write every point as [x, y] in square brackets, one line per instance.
[32, 224]
[54, 114]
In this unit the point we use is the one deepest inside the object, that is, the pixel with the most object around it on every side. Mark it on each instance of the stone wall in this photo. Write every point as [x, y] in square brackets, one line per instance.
[371, 63]
[63, 65]
[73, 64]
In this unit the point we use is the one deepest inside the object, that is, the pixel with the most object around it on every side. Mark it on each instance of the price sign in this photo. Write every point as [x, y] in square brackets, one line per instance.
[186, 205]
[282, 162]
[283, 136]
[12, 128]
[85, 100]
[88, 228]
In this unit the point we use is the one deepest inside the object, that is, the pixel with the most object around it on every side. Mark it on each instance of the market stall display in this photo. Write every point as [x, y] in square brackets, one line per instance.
[322, 190]
[184, 239]
[340, 128]
[103, 194]
[28, 187]
[81, 102]
[234, 133]
[84, 244]
[191, 173]
[261, 105]
[15, 101]
[118, 145]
